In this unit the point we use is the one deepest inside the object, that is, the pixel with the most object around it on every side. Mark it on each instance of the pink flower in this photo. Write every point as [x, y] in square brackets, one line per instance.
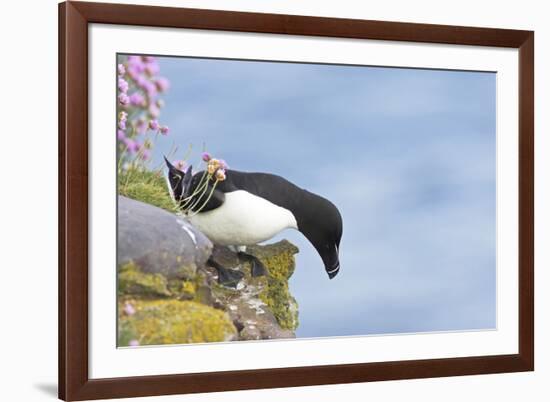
[141, 126]
[136, 63]
[224, 164]
[152, 67]
[181, 165]
[206, 156]
[137, 99]
[141, 81]
[129, 309]
[133, 342]
[133, 73]
[220, 174]
[131, 145]
[123, 99]
[154, 111]
[162, 84]
[122, 85]
[150, 88]
[138, 89]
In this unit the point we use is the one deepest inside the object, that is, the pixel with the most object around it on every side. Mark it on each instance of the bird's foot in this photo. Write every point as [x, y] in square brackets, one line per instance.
[226, 276]
[257, 267]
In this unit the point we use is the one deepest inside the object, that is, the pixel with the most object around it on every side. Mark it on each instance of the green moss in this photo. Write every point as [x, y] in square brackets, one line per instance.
[279, 260]
[159, 322]
[145, 186]
[132, 281]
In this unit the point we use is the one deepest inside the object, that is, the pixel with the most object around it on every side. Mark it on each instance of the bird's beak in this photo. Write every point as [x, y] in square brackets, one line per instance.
[333, 270]
[333, 267]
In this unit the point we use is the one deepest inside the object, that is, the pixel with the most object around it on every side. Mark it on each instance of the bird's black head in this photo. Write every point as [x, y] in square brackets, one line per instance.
[320, 221]
[179, 182]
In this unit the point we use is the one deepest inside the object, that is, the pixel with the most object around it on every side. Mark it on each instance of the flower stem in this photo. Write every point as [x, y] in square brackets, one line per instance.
[201, 185]
[208, 199]
[202, 188]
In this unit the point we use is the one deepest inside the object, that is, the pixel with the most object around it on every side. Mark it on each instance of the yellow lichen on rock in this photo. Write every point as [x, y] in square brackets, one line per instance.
[194, 308]
[158, 322]
[188, 287]
[279, 260]
[131, 280]
[183, 289]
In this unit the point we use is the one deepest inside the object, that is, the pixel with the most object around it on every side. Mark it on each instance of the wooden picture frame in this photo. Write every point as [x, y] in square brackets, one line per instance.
[74, 381]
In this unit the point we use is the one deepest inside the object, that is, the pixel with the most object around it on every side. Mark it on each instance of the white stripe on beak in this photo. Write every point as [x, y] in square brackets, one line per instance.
[334, 269]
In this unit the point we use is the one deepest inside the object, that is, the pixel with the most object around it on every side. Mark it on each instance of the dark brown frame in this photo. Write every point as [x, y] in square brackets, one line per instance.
[74, 17]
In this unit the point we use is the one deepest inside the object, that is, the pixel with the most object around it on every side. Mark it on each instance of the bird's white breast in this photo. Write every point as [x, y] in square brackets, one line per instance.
[243, 219]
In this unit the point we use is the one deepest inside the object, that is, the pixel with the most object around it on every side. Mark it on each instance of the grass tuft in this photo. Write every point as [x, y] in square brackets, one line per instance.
[145, 186]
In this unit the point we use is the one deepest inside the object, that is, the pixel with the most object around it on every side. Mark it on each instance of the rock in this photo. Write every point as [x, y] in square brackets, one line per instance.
[261, 307]
[279, 260]
[159, 322]
[167, 292]
[159, 242]
[132, 281]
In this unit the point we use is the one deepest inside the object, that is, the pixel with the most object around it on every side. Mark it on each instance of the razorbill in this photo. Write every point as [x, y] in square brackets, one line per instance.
[250, 208]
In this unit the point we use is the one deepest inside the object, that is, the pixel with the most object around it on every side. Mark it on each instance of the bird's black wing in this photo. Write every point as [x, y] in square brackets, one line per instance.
[303, 204]
[273, 188]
